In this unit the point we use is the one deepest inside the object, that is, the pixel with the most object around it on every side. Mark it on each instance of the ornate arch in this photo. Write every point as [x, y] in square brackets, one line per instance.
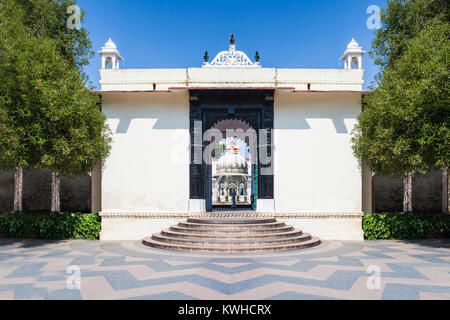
[231, 123]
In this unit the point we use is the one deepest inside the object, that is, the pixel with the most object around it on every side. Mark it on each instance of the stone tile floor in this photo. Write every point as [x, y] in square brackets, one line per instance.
[34, 269]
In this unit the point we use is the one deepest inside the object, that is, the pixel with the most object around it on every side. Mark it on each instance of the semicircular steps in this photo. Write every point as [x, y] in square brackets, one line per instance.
[231, 235]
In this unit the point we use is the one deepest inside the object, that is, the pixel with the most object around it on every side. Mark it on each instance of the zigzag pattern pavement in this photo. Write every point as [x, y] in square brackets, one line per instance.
[129, 270]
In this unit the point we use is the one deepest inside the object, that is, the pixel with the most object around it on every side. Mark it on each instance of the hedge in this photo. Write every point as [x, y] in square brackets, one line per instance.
[50, 226]
[53, 226]
[406, 226]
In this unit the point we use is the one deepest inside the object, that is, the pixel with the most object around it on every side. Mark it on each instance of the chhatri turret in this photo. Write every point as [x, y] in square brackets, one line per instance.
[110, 55]
[354, 54]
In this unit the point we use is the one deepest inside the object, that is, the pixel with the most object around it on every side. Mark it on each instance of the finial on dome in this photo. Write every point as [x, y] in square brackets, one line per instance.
[257, 56]
[232, 40]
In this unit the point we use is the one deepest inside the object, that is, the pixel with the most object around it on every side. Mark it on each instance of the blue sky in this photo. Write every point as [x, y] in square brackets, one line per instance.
[175, 34]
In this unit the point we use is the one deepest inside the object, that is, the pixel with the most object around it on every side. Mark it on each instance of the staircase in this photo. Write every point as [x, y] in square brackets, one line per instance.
[231, 235]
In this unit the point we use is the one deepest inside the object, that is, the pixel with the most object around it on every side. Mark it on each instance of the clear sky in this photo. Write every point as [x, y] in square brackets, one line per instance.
[175, 34]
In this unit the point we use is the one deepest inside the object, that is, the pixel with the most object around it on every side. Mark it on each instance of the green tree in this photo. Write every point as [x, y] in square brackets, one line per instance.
[402, 21]
[49, 19]
[48, 118]
[404, 126]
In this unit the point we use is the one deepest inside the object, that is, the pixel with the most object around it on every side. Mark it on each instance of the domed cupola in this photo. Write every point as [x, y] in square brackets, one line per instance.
[353, 54]
[232, 163]
[110, 55]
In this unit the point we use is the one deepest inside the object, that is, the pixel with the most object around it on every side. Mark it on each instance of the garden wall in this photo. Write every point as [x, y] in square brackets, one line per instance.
[387, 192]
[75, 192]
[427, 193]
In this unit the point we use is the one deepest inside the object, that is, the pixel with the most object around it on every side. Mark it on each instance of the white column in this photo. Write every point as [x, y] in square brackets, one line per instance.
[114, 62]
[360, 62]
[349, 62]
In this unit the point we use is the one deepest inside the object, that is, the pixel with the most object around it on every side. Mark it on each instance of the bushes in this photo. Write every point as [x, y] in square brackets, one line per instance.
[406, 226]
[50, 226]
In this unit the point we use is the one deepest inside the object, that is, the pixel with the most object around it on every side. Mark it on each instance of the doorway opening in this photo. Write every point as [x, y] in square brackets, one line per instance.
[232, 178]
[226, 171]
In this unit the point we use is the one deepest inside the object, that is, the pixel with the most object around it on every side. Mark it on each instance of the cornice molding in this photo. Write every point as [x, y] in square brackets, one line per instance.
[336, 215]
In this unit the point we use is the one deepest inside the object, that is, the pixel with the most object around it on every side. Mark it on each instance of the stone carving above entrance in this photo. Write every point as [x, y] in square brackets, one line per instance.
[232, 59]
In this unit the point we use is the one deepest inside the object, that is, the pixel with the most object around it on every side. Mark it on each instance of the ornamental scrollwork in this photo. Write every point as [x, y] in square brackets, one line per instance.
[232, 58]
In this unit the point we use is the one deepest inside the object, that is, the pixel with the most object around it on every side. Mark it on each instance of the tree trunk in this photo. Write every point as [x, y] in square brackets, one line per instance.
[407, 193]
[18, 189]
[445, 194]
[55, 192]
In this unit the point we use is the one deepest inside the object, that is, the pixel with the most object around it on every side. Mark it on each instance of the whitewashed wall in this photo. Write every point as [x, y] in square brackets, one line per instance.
[315, 169]
[148, 168]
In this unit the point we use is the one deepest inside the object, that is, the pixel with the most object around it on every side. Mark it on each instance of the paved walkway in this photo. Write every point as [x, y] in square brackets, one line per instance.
[129, 270]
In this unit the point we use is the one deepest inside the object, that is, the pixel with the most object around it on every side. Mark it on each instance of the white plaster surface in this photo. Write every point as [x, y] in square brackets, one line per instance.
[148, 168]
[265, 205]
[133, 229]
[330, 228]
[315, 169]
[324, 228]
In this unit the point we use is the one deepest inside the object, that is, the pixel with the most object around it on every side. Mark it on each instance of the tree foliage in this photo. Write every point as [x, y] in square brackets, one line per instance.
[48, 19]
[402, 21]
[48, 118]
[404, 126]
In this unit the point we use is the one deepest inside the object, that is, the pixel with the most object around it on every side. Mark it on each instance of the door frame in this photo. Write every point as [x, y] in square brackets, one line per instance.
[256, 106]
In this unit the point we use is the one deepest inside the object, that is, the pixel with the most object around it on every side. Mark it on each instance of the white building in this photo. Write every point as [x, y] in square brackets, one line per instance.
[300, 122]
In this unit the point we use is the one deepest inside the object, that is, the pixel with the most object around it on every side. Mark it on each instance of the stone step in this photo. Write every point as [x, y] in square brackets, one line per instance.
[245, 249]
[238, 236]
[243, 230]
[231, 235]
[229, 242]
[231, 226]
[226, 221]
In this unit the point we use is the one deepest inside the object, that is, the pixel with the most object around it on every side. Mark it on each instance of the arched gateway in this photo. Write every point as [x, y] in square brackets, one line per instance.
[232, 140]
[222, 114]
